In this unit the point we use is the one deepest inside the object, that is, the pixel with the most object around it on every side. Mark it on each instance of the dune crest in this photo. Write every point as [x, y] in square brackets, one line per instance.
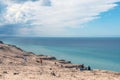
[16, 64]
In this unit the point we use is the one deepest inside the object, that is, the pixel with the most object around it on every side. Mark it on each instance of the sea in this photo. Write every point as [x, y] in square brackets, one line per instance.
[97, 52]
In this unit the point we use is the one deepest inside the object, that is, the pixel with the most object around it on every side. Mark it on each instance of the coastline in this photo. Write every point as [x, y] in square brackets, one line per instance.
[100, 53]
[17, 64]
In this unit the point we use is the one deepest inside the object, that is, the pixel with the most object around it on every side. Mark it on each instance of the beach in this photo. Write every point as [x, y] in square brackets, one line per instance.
[17, 64]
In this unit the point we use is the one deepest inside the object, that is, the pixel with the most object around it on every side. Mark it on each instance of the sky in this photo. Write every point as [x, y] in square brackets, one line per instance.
[60, 18]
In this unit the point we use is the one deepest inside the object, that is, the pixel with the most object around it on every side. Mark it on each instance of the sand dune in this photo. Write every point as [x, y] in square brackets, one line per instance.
[16, 64]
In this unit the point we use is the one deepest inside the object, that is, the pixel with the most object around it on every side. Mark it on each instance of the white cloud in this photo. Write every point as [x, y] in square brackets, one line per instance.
[53, 17]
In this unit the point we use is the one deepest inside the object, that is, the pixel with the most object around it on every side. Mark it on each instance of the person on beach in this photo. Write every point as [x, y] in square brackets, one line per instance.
[25, 59]
[41, 61]
[89, 68]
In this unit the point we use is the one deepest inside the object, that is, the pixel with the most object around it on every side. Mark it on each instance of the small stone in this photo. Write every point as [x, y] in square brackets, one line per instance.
[50, 68]
[5, 72]
[16, 73]
[52, 73]
[0, 75]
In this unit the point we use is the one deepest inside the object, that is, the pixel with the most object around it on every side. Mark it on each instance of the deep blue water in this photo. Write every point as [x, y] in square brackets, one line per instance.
[99, 53]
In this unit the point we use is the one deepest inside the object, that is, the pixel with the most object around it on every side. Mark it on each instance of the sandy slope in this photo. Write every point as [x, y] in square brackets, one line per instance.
[14, 67]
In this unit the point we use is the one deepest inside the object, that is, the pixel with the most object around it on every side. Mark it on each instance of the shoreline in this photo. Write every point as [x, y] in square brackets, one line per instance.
[14, 62]
[88, 52]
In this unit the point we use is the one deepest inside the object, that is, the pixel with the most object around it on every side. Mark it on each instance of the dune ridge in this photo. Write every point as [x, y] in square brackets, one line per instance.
[16, 64]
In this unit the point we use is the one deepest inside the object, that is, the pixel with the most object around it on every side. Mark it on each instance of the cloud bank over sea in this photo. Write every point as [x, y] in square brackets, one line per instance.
[49, 17]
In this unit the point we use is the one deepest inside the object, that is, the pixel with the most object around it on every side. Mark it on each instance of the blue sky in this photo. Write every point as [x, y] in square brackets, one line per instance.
[60, 18]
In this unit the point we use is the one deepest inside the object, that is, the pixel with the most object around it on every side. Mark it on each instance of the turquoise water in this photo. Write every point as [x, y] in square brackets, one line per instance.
[99, 53]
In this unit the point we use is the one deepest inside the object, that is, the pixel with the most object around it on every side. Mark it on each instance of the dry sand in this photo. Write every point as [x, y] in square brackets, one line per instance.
[14, 67]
